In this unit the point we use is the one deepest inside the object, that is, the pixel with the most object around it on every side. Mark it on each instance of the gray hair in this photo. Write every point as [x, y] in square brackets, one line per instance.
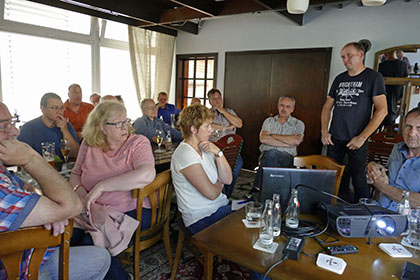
[144, 101]
[48, 96]
[287, 96]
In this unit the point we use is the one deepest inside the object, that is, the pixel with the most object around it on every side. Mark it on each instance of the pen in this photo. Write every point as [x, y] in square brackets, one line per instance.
[245, 201]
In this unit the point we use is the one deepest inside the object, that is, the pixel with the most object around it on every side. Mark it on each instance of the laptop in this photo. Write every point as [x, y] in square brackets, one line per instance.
[282, 180]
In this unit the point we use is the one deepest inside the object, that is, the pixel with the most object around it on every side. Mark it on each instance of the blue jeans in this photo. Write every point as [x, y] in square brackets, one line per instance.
[85, 262]
[228, 189]
[116, 271]
[222, 212]
[273, 158]
[356, 167]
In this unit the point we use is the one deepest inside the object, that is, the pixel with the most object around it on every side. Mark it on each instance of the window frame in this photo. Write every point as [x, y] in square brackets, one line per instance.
[180, 89]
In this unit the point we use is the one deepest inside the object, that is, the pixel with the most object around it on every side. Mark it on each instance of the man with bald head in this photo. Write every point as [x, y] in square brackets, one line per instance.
[20, 207]
[76, 111]
[149, 123]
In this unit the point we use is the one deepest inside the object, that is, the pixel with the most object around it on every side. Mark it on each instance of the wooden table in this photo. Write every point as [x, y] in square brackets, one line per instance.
[230, 239]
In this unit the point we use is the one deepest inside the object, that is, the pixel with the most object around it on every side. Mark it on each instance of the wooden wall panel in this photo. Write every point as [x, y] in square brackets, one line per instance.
[255, 80]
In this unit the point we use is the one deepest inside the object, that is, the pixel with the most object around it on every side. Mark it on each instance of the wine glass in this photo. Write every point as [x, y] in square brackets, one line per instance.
[159, 139]
[65, 150]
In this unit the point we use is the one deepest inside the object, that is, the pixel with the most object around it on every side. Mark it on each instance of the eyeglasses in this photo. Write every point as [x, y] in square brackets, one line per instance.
[119, 124]
[56, 108]
[9, 124]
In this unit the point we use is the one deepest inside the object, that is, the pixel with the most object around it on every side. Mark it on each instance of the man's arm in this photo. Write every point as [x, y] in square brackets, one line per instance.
[380, 113]
[280, 140]
[234, 120]
[381, 183]
[325, 121]
[58, 202]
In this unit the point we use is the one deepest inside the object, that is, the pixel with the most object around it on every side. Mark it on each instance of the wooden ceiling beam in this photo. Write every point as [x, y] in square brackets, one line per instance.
[207, 7]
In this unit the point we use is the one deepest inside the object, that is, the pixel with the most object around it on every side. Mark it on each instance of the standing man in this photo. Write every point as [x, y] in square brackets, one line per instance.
[279, 137]
[392, 67]
[403, 167]
[50, 127]
[400, 56]
[225, 122]
[165, 109]
[352, 94]
[149, 123]
[76, 111]
[22, 208]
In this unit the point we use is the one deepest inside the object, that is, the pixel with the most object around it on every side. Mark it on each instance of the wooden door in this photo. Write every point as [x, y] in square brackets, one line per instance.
[255, 80]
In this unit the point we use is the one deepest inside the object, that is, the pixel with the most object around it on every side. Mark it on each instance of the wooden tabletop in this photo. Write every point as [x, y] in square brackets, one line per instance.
[230, 239]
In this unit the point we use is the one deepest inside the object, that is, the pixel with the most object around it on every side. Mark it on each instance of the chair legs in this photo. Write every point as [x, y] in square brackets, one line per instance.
[167, 242]
[177, 254]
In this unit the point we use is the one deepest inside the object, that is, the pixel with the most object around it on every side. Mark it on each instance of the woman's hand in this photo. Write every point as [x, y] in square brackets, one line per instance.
[209, 147]
[93, 195]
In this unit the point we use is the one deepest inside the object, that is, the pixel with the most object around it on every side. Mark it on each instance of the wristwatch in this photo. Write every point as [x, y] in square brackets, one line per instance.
[219, 154]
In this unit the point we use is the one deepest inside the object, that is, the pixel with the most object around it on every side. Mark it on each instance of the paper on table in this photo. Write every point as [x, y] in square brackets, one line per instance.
[270, 250]
[238, 204]
[249, 225]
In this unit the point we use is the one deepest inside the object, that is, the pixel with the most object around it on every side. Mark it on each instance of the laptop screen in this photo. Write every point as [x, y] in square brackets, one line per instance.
[282, 180]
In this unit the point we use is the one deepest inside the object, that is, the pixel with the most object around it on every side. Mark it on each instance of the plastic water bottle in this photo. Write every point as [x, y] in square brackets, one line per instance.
[168, 140]
[266, 230]
[276, 215]
[404, 208]
[292, 212]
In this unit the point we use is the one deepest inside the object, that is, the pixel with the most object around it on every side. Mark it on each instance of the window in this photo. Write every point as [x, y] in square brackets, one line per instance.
[47, 16]
[48, 65]
[196, 75]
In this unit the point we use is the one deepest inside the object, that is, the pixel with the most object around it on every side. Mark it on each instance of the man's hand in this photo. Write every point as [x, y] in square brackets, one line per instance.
[57, 227]
[14, 152]
[61, 123]
[356, 142]
[378, 175]
[326, 138]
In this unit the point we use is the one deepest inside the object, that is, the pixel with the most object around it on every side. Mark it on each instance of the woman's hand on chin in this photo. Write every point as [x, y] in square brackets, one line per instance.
[209, 147]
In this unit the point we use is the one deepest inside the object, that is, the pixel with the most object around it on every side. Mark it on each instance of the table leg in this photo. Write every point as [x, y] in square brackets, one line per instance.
[208, 267]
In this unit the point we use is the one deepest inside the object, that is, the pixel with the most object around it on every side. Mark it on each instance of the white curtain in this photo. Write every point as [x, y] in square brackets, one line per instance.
[151, 56]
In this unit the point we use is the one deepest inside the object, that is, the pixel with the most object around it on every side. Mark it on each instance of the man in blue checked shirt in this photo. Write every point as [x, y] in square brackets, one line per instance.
[20, 207]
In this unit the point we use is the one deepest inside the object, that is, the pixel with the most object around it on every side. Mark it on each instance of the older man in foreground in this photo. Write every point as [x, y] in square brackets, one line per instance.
[21, 208]
[403, 167]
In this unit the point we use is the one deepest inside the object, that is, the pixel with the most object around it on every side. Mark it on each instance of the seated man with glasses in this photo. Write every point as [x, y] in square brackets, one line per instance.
[50, 127]
[149, 123]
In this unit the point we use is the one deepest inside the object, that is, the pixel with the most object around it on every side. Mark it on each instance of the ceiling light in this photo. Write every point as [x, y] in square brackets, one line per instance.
[297, 6]
[373, 2]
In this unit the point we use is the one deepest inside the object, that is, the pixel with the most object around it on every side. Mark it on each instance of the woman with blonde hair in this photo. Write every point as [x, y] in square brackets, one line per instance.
[199, 171]
[111, 162]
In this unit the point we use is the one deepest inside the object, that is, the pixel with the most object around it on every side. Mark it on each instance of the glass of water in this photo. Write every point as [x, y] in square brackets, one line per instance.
[253, 211]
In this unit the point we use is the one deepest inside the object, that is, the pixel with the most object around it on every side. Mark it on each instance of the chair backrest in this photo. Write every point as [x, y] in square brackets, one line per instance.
[159, 193]
[231, 145]
[380, 146]
[321, 162]
[14, 243]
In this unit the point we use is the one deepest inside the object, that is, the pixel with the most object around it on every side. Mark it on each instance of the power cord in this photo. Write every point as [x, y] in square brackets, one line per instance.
[285, 257]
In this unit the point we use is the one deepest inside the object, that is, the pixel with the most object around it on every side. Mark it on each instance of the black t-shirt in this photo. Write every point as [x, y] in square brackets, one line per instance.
[393, 68]
[353, 99]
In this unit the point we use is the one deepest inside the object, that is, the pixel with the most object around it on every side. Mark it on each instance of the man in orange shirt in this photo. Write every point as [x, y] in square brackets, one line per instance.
[76, 111]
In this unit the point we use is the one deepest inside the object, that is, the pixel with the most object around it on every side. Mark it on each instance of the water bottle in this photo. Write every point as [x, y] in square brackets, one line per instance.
[266, 230]
[168, 140]
[292, 212]
[276, 215]
[404, 208]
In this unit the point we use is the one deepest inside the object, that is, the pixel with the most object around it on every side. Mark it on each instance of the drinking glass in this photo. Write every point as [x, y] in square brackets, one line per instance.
[159, 139]
[173, 120]
[65, 150]
[48, 152]
[253, 211]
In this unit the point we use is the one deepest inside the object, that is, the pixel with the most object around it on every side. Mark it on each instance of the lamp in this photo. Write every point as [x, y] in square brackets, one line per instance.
[373, 2]
[298, 6]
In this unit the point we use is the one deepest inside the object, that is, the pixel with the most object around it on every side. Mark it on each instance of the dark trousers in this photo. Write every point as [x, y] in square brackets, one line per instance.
[228, 189]
[273, 158]
[356, 167]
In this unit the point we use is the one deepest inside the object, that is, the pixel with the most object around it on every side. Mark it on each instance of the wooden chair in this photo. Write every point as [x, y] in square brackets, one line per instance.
[380, 146]
[231, 145]
[14, 243]
[321, 162]
[159, 193]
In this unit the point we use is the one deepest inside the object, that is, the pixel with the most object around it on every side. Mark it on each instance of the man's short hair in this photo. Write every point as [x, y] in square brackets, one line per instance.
[287, 96]
[48, 96]
[356, 45]
[144, 101]
[415, 111]
[162, 93]
[73, 85]
[213, 91]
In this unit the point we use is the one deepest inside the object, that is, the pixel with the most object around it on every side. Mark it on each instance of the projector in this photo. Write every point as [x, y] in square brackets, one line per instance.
[365, 220]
